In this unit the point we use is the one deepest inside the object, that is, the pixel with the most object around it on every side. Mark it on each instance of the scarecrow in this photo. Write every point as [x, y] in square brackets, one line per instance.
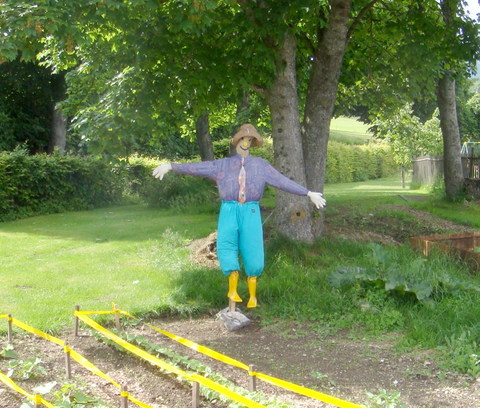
[241, 180]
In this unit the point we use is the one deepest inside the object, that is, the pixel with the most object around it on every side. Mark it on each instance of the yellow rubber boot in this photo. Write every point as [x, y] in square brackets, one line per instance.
[252, 290]
[232, 287]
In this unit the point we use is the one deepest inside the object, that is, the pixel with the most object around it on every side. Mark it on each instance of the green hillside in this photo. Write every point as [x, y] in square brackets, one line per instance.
[349, 130]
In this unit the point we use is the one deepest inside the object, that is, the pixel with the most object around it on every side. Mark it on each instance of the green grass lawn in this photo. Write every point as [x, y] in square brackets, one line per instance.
[385, 187]
[128, 255]
[349, 131]
[132, 255]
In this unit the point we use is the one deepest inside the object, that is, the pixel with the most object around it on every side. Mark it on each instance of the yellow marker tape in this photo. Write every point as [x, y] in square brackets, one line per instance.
[166, 366]
[92, 367]
[225, 391]
[272, 380]
[202, 349]
[86, 312]
[35, 398]
[130, 347]
[96, 312]
[37, 332]
[306, 391]
[264, 377]
[77, 357]
[3, 316]
[139, 403]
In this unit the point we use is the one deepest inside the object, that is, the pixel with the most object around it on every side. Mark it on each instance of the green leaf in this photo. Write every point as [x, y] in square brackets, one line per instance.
[422, 290]
[45, 388]
[81, 398]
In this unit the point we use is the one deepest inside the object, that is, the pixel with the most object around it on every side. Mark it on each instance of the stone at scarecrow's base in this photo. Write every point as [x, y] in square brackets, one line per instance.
[233, 320]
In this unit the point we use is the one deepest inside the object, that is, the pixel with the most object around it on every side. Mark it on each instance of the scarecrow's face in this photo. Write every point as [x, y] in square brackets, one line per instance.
[244, 144]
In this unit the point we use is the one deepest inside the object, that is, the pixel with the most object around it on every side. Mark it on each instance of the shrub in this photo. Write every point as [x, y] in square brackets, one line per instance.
[174, 191]
[41, 184]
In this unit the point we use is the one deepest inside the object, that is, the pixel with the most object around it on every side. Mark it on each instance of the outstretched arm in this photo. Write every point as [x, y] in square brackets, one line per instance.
[199, 169]
[278, 180]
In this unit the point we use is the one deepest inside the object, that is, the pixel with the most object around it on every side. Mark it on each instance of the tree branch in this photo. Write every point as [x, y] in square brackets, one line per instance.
[360, 16]
[259, 90]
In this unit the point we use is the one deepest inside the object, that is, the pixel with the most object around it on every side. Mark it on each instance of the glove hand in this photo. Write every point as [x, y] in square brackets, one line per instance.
[317, 199]
[161, 170]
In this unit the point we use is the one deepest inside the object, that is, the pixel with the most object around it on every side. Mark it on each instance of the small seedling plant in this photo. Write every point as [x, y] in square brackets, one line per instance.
[385, 399]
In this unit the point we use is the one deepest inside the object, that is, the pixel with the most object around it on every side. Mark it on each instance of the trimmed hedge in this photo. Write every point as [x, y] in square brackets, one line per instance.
[347, 163]
[41, 184]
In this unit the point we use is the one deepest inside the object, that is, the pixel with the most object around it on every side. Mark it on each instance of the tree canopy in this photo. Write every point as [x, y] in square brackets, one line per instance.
[142, 69]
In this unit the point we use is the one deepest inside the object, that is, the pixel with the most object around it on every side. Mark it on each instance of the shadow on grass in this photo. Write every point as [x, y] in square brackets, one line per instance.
[125, 223]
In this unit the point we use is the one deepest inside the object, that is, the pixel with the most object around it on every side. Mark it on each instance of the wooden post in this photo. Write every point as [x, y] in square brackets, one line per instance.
[252, 381]
[38, 400]
[10, 329]
[68, 365]
[124, 396]
[232, 306]
[75, 322]
[195, 394]
[117, 318]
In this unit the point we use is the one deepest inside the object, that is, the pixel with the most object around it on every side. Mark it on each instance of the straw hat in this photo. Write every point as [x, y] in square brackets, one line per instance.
[247, 130]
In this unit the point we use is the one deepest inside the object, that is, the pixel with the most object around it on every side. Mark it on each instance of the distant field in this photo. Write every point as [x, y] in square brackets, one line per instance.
[349, 130]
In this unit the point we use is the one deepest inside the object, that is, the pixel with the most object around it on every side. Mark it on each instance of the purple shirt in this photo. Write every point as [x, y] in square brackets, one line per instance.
[225, 173]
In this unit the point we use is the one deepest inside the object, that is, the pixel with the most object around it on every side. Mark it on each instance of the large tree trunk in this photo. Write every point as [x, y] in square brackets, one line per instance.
[321, 96]
[58, 133]
[204, 140]
[293, 215]
[452, 159]
[447, 106]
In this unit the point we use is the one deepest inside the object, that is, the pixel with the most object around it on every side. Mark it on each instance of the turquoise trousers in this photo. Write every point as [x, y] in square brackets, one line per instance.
[240, 231]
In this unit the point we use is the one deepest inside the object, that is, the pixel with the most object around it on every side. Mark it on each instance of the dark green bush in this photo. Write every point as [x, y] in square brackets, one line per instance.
[41, 184]
[175, 190]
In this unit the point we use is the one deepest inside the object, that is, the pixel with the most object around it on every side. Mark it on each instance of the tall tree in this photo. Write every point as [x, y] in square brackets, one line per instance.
[293, 215]
[446, 95]
[322, 91]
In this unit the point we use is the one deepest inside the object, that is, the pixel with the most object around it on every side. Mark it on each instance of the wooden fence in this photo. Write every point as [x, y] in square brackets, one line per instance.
[427, 169]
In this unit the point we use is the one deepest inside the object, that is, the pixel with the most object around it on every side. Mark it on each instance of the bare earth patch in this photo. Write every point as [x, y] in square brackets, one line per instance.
[334, 364]
[311, 355]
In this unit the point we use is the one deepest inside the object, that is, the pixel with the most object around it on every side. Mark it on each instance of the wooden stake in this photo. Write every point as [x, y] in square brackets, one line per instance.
[75, 322]
[232, 306]
[117, 318]
[195, 394]
[68, 365]
[10, 329]
[124, 396]
[252, 381]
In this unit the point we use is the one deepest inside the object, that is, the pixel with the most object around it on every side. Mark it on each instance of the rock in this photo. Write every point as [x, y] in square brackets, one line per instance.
[233, 320]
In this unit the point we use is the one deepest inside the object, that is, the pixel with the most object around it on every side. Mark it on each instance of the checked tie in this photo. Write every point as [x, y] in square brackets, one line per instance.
[242, 193]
